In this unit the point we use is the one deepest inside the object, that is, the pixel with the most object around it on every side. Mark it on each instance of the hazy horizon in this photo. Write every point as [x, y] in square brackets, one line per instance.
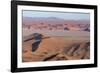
[61, 15]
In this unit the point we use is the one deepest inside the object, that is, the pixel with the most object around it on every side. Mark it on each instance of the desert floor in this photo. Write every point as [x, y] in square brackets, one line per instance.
[57, 48]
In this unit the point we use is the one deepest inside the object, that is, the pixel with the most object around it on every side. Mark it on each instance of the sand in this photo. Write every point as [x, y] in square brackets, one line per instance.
[57, 48]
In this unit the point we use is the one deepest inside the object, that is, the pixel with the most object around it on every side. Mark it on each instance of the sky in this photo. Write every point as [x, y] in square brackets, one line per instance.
[62, 15]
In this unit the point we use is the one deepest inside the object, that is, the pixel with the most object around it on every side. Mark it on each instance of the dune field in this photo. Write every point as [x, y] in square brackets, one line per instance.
[67, 46]
[55, 38]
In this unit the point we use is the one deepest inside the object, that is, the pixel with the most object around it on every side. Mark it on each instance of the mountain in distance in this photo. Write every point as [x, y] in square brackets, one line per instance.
[71, 24]
[52, 20]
